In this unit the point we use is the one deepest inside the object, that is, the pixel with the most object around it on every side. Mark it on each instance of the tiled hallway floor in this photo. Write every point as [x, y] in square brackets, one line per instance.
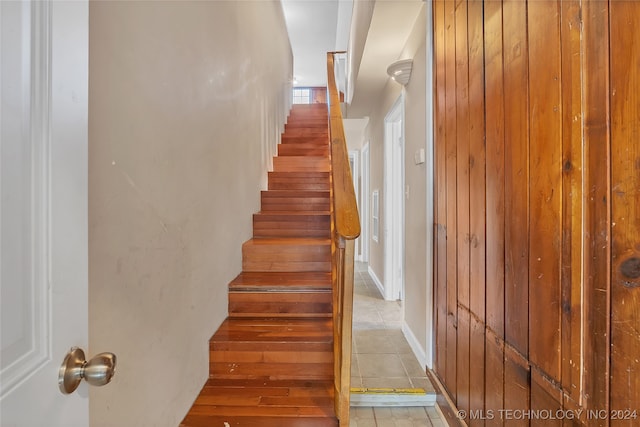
[382, 358]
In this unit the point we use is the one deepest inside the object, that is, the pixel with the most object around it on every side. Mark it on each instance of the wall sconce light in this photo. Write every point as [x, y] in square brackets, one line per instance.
[400, 71]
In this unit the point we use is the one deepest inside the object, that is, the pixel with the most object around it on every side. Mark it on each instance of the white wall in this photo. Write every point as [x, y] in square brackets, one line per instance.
[354, 132]
[186, 102]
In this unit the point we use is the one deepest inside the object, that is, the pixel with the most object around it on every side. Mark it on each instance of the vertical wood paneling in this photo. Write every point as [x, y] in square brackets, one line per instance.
[477, 209]
[597, 270]
[440, 253]
[462, 152]
[538, 169]
[625, 208]
[494, 110]
[516, 134]
[571, 268]
[462, 208]
[451, 197]
[545, 156]
[494, 123]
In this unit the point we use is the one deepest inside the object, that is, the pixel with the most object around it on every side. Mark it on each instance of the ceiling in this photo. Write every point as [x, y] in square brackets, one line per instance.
[316, 27]
[375, 32]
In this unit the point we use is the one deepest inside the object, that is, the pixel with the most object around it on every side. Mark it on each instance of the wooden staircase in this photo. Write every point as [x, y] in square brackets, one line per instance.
[272, 361]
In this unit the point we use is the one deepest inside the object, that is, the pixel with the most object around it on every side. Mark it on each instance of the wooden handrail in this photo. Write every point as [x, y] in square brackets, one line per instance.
[345, 229]
[347, 220]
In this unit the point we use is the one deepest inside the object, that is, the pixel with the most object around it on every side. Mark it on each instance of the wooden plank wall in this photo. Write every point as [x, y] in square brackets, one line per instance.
[537, 250]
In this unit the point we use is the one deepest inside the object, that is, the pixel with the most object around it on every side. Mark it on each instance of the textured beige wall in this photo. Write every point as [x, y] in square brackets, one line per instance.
[415, 178]
[415, 214]
[186, 102]
[375, 132]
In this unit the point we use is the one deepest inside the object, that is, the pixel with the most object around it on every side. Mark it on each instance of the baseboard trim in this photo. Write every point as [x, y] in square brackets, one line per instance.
[417, 349]
[376, 280]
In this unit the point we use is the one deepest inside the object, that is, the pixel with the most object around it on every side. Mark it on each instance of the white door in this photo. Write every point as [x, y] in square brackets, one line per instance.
[394, 202]
[43, 209]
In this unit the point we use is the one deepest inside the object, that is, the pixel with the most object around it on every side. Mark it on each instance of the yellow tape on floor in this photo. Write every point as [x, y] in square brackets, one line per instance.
[368, 390]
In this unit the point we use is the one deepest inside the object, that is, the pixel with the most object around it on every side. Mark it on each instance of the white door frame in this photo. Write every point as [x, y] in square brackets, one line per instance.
[394, 202]
[44, 75]
[430, 167]
[365, 214]
[354, 163]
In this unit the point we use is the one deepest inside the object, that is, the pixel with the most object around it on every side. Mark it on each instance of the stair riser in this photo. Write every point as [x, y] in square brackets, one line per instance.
[290, 226]
[256, 282]
[298, 204]
[280, 304]
[270, 357]
[285, 265]
[282, 231]
[302, 140]
[307, 133]
[301, 164]
[299, 185]
[286, 257]
[305, 123]
[302, 150]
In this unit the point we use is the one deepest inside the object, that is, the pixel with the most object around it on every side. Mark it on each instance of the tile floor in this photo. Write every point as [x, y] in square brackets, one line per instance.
[383, 358]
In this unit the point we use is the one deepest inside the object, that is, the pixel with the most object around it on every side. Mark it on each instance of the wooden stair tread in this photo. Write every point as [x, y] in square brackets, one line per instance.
[296, 193]
[281, 280]
[300, 174]
[290, 139]
[294, 214]
[275, 370]
[292, 241]
[269, 330]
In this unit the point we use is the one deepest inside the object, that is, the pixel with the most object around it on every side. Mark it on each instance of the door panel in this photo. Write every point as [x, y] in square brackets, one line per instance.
[43, 181]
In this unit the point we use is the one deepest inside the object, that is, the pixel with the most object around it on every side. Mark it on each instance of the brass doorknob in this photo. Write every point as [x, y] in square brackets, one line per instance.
[98, 371]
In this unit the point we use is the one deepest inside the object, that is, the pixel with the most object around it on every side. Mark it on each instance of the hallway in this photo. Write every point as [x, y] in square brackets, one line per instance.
[382, 358]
